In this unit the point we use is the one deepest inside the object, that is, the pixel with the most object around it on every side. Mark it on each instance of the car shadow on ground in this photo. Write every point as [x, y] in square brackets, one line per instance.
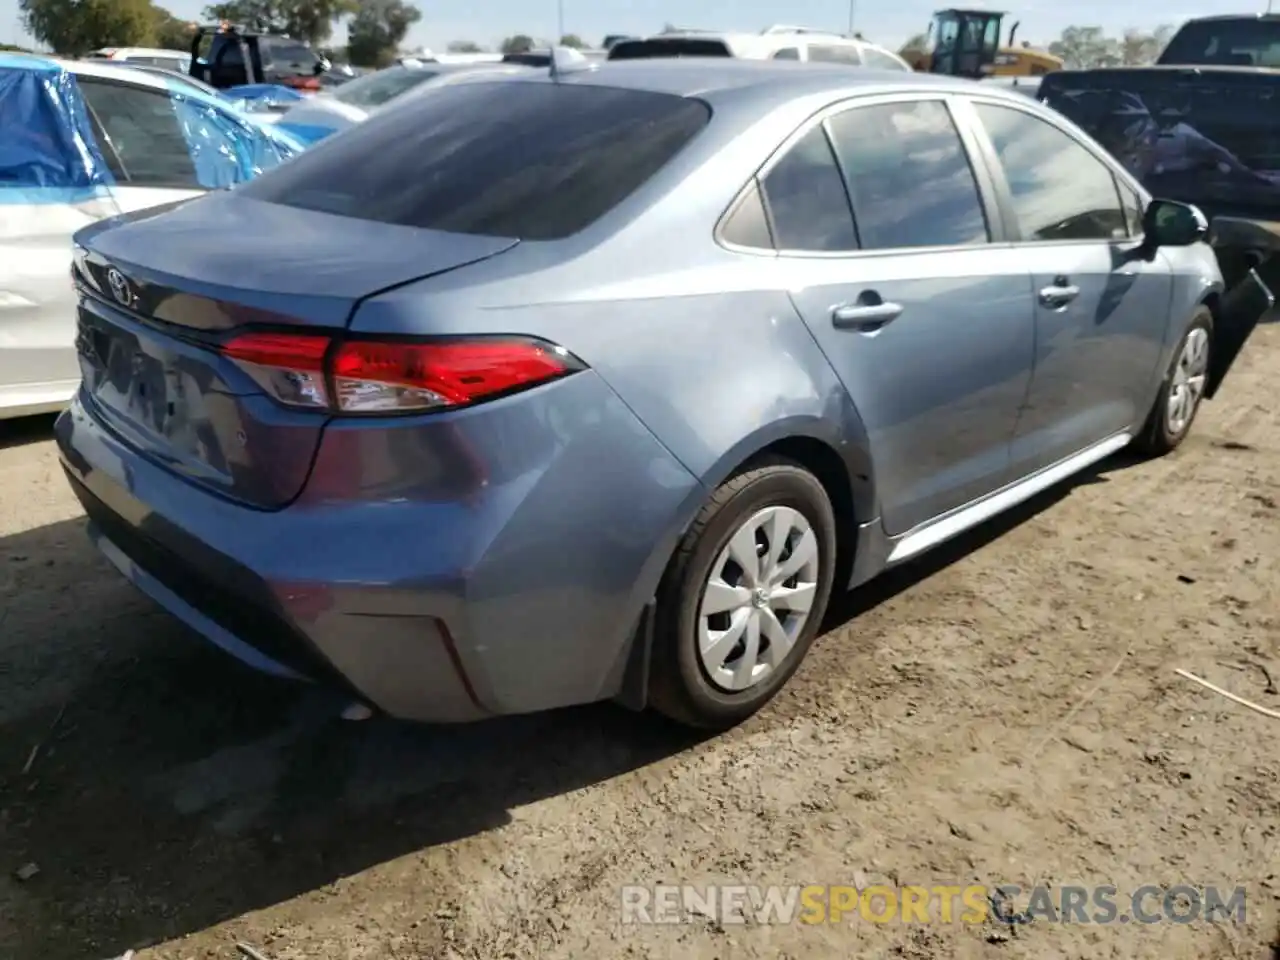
[160, 788]
[25, 430]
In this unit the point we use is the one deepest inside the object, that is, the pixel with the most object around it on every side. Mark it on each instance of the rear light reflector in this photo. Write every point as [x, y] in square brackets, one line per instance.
[395, 376]
[289, 367]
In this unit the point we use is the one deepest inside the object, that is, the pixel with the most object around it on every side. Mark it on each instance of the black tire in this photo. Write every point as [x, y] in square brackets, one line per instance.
[680, 686]
[1156, 438]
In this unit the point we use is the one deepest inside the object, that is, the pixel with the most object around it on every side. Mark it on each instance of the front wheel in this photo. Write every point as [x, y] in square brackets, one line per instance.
[743, 597]
[1178, 400]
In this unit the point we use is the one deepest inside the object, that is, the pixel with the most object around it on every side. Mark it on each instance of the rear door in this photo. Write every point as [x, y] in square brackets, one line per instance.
[142, 139]
[926, 322]
[1102, 303]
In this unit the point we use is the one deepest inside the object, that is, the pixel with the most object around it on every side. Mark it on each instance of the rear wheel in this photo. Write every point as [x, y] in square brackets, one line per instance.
[1178, 399]
[743, 597]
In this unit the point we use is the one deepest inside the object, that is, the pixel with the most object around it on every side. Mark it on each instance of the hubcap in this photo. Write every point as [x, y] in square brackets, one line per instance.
[1188, 381]
[757, 598]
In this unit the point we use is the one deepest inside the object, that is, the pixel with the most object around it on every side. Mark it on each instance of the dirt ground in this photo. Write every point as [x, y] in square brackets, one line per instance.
[1005, 711]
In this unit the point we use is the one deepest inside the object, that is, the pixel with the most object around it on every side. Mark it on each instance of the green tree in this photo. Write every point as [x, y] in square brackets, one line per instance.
[1138, 48]
[520, 43]
[309, 20]
[464, 46]
[76, 27]
[1086, 47]
[169, 32]
[377, 30]
[12, 48]
[572, 40]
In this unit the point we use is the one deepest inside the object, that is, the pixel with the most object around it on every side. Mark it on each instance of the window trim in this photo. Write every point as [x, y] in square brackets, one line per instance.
[1119, 176]
[997, 225]
[168, 95]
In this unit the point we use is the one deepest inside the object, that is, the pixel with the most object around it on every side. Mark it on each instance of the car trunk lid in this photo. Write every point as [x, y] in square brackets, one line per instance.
[161, 294]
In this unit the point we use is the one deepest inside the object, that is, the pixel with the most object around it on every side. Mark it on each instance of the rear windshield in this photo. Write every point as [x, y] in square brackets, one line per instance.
[529, 160]
[1234, 43]
[377, 88]
[675, 47]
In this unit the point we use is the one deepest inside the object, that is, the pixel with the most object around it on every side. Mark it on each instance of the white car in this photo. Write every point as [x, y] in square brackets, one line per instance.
[146, 57]
[328, 112]
[84, 140]
[779, 42]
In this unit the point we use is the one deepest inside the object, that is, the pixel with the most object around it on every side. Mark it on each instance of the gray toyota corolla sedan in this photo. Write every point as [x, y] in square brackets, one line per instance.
[597, 384]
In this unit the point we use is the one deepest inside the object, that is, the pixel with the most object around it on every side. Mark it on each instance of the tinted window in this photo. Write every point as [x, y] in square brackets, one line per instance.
[286, 53]
[909, 176]
[537, 161]
[143, 141]
[225, 52]
[790, 53]
[1060, 190]
[1239, 43]
[806, 198]
[377, 88]
[748, 225]
[819, 53]
[676, 47]
[871, 57]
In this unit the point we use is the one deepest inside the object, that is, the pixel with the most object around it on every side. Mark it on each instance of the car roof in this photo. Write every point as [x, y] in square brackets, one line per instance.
[770, 81]
[104, 69]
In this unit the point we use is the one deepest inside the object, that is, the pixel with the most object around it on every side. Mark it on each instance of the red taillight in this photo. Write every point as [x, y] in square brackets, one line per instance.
[288, 366]
[387, 376]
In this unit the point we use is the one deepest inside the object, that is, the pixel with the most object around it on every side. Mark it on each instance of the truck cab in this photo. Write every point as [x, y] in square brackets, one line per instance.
[225, 56]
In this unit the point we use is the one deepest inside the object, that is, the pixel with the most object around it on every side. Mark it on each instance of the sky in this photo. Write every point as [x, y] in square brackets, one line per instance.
[890, 23]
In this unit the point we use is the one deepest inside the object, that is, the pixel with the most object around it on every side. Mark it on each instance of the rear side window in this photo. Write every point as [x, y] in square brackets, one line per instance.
[909, 176]
[140, 134]
[529, 160]
[377, 88]
[871, 57]
[823, 53]
[807, 201]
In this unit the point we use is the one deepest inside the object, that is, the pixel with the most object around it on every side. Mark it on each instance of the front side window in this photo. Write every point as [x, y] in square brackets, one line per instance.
[142, 137]
[1132, 204]
[1060, 190]
[909, 176]
[807, 201]
[534, 161]
[789, 53]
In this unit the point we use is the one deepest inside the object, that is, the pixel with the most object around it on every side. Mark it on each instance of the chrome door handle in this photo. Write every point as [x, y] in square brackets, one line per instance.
[1058, 296]
[865, 316]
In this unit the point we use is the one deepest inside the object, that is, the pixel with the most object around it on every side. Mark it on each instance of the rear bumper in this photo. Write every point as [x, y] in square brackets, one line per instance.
[517, 595]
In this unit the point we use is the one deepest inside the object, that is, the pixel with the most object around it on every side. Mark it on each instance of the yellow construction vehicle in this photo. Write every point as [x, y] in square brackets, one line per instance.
[966, 43]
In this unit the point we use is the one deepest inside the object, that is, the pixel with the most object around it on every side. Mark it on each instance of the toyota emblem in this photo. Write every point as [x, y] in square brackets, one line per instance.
[120, 288]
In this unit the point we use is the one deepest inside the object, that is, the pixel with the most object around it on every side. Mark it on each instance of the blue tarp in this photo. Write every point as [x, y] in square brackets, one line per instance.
[47, 153]
[306, 133]
[260, 95]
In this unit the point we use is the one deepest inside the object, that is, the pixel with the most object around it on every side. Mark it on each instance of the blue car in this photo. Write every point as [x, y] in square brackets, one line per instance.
[598, 382]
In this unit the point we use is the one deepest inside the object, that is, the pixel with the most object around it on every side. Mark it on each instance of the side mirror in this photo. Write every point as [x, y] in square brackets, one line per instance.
[1168, 223]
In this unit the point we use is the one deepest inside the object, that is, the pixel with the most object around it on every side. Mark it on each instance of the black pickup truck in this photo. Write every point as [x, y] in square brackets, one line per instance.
[1202, 126]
